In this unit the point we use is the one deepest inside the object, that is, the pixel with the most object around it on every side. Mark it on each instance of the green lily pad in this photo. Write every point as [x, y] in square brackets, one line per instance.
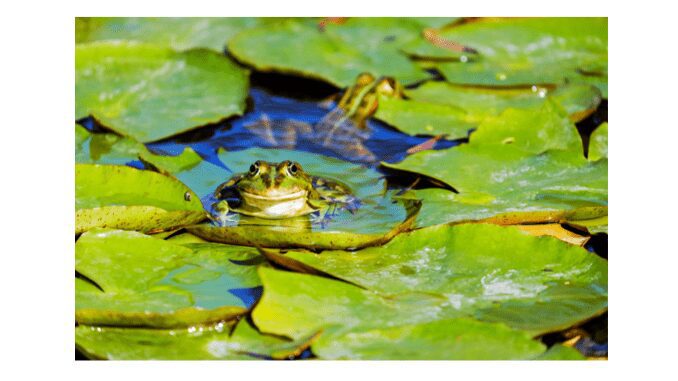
[532, 130]
[179, 33]
[528, 51]
[290, 305]
[423, 118]
[143, 281]
[598, 143]
[151, 92]
[578, 100]
[337, 54]
[376, 220]
[195, 343]
[108, 148]
[537, 284]
[505, 185]
[456, 339]
[561, 352]
[128, 198]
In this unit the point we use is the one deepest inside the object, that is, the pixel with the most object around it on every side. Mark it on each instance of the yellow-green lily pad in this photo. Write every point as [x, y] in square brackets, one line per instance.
[598, 143]
[123, 197]
[492, 273]
[578, 100]
[214, 342]
[109, 148]
[455, 339]
[151, 92]
[529, 51]
[336, 53]
[139, 280]
[179, 33]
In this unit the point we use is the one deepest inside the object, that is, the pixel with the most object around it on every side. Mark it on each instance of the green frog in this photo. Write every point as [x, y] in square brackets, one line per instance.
[278, 191]
[344, 129]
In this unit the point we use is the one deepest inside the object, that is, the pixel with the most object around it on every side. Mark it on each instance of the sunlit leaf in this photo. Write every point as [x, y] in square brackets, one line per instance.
[143, 281]
[195, 343]
[336, 54]
[538, 284]
[151, 92]
[529, 51]
[179, 33]
[127, 198]
[598, 143]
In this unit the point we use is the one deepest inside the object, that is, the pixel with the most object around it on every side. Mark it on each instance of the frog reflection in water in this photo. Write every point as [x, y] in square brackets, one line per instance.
[343, 130]
[278, 191]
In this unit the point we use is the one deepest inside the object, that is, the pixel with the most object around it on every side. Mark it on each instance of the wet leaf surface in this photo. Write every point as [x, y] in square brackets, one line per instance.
[598, 143]
[127, 198]
[337, 54]
[537, 284]
[179, 33]
[529, 51]
[150, 92]
[143, 281]
[194, 343]
[456, 339]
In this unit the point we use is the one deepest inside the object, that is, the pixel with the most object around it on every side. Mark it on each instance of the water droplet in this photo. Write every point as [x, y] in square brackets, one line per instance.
[187, 196]
[501, 76]
[542, 93]
[463, 59]
[534, 88]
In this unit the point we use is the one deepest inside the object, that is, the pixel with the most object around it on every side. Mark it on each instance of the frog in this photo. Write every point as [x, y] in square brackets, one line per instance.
[280, 191]
[343, 130]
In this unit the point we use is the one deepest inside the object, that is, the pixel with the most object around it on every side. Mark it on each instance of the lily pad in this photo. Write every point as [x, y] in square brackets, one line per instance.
[179, 33]
[578, 100]
[532, 130]
[528, 51]
[561, 352]
[128, 198]
[537, 284]
[108, 148]
[151, 92]
[194, 343]
[598, 143]
[336, 54]
[142, 281]
[423, 118]
[376, 219]
[456, 339]
[502, 184]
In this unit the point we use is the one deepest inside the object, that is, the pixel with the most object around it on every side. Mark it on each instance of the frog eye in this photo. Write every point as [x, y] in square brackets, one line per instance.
[254, 168]
[293, 168]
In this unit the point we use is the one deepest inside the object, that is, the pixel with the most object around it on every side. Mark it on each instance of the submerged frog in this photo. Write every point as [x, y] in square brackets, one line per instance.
[343, 130]
[280, 190]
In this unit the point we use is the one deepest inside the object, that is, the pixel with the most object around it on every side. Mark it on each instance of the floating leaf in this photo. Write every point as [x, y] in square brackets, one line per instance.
[561, 352]
[532, 130]
[337, 54]
[194, 343]
[179, 33]
[143, 281]
[423, 118]
[578, 100]
[107, 148]
[376, 220]
[151, 92]
[457, 339]
[502, 184]
[128, 198]
[528, 51]
[538, 284]
[598, 143]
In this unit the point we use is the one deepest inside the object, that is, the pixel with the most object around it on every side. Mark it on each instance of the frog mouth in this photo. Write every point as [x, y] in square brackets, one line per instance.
[284, 197]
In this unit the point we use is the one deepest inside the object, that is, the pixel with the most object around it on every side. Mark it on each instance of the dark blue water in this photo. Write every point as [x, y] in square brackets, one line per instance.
[385, 142]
